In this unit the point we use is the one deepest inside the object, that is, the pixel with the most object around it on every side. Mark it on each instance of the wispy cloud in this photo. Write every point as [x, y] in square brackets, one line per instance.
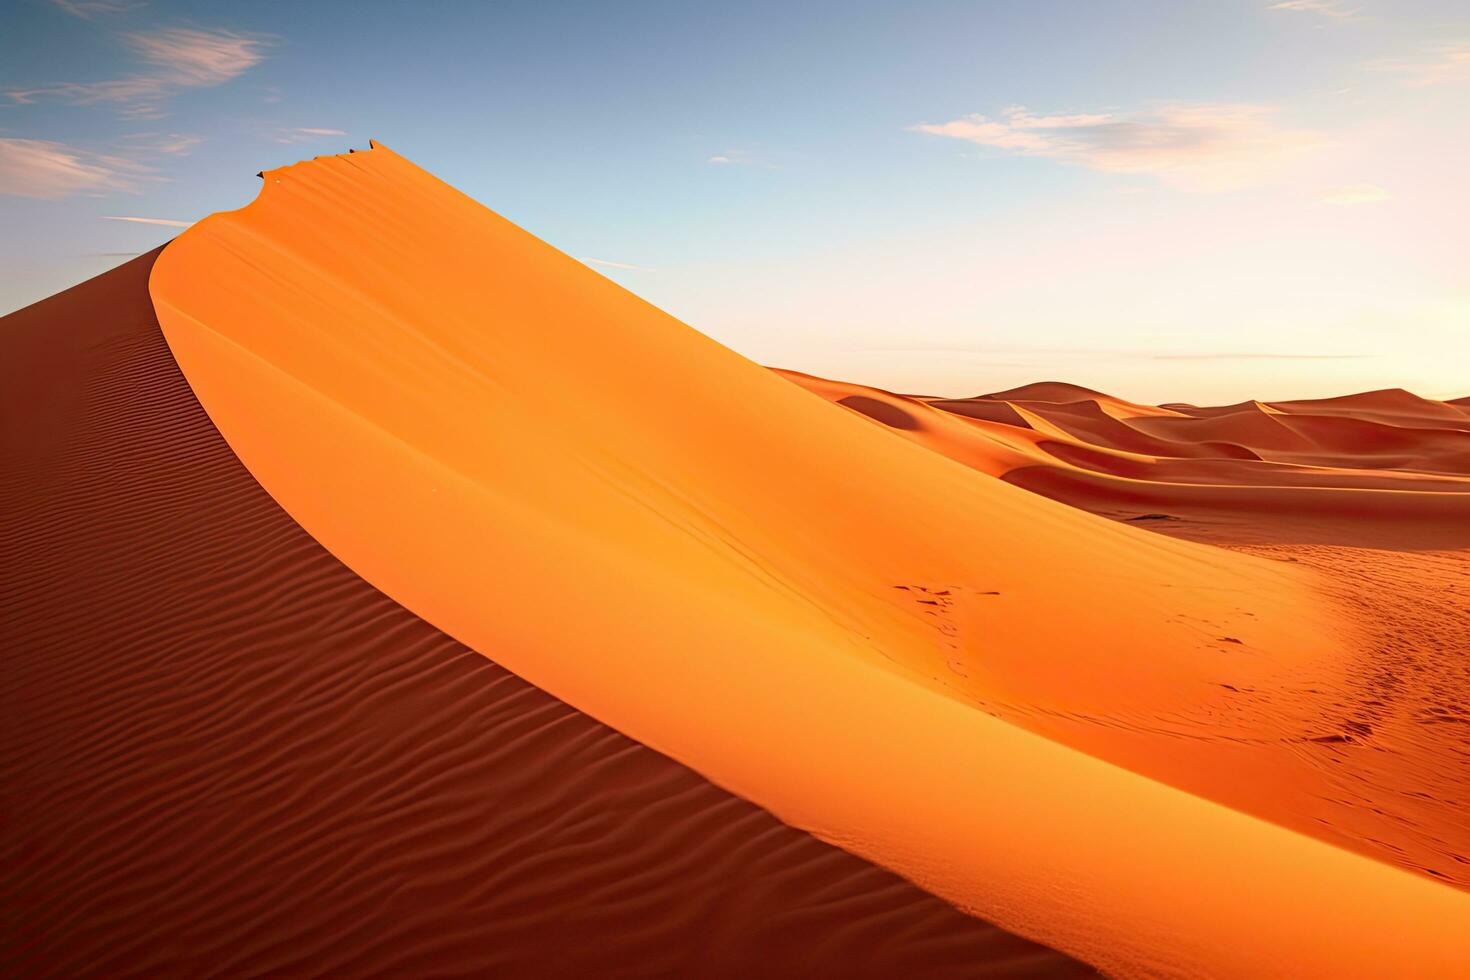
[88, 9]
[1326, 8]
[730, 158]
[618, 265]
[190, 56]
[47, 169]
[169, 222]
[762, 158]
[1443, 64]
[306, 134]
[1232, 356]
[180, 57]
[1051, 354]
[1355, 194]
[138, 88]
[1201, 147]
[160, 144]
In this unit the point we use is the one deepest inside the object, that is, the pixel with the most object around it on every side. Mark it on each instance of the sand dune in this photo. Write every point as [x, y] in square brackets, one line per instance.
[811, 605]
[1043, 391]
[226, 754]
[1245, 472]
[1361, 748]
[1393, 406]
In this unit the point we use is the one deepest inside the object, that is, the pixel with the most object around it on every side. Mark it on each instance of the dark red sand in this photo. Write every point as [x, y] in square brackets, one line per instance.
[224, 753]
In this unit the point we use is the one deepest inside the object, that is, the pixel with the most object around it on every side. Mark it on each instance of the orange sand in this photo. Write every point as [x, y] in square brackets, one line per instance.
[1303, 472]
[781, 594]
[1364, 747]
[227, 755]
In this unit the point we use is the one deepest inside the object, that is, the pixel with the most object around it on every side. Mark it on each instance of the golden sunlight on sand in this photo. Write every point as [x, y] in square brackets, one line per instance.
[866, 617]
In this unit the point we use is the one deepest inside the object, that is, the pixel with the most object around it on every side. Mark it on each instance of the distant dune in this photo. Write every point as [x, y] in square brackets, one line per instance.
[790, 676]
[1302, 472]
[1365, 747]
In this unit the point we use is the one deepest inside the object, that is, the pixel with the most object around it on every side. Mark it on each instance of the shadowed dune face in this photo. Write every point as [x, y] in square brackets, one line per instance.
[879, 411]
[226, 754]
[1393, 406]
[810, 607]
[975, 408]
[1382, 469]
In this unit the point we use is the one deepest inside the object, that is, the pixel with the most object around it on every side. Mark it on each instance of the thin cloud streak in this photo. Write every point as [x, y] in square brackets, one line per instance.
[1103, 352]
[169, 222]
[1327, 8]
[306, 134]
[1262, 357]
[135, 89]
[1199, 147]
[48, 169]
[161, 144]
[618, 265]
[193, 57]
[760, 158]
[88, 9]
[182, 57]
[981, 351]
[1446, 64]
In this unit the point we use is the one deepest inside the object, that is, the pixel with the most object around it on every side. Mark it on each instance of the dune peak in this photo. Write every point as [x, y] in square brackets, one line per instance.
[462, 415]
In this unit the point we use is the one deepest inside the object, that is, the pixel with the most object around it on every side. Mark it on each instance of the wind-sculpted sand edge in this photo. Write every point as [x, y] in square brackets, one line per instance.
[226, 754]
[682, 544]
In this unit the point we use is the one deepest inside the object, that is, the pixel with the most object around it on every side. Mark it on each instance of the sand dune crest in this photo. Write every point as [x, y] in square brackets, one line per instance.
[794, 599]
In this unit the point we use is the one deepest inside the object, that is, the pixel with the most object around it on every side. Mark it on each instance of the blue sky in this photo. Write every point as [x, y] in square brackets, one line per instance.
[1198, 201]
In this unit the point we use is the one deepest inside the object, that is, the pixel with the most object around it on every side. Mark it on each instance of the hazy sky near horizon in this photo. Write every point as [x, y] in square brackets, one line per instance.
[1169, 200]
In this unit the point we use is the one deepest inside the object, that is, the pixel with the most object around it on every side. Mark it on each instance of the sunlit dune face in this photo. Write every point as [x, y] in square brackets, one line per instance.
[1373, 490]
[356, 792]
[812, 605]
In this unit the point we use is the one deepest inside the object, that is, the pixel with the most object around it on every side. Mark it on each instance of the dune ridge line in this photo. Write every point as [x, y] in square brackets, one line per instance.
[687, 547]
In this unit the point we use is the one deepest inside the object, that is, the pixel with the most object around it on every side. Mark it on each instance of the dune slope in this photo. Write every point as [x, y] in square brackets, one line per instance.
[226, 754]
[766, 587]
[1362, 747]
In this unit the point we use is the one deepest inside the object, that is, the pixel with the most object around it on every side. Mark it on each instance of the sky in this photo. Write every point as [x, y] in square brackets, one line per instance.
[1169, 200]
